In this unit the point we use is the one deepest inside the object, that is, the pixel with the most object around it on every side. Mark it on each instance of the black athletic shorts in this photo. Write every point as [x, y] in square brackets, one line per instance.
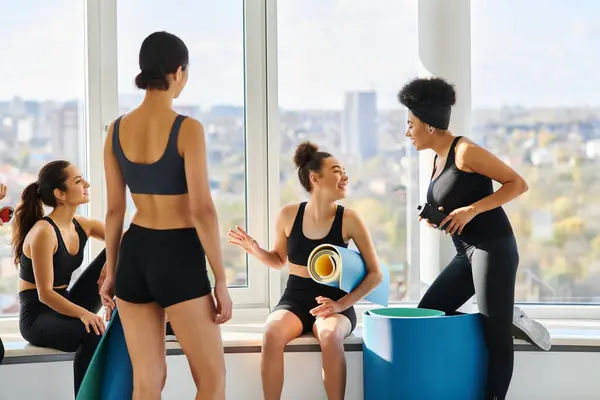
[300, 296]
[166, 266]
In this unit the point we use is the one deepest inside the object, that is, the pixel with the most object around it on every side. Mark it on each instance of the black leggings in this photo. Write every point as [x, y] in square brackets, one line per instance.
[1, 351]
[488, 270]
[42, 326]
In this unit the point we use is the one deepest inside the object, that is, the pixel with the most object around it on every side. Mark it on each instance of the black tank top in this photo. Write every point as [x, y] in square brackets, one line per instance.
[299, 246]
[454, 188]
[165, 176]
[63, 262]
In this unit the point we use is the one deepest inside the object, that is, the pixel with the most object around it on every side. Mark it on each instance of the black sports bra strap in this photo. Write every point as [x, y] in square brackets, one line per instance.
[433, 169]
[339, 214]
[56, 230]
[174, 135]
[451, 152]
[299, 217]
[51, 222]
[116, 143]
[79, 228]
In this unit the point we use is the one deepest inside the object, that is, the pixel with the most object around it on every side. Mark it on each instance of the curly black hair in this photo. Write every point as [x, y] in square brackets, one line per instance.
[429, 91]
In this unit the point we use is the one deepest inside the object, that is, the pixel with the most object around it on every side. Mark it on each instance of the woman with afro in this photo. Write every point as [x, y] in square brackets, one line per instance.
[487, 256]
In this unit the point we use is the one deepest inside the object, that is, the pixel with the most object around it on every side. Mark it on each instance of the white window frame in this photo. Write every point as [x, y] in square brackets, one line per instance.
[276, 277]
[102, 105]
[444, 49]
[101, 97]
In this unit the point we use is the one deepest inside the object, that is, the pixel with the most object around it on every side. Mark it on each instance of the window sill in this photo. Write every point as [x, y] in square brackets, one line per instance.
[567, 336]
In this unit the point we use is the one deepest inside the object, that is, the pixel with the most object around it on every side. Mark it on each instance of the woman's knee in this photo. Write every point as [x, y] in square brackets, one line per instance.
[274, 337]
[331, 340]
[210, 381]
[150, 379]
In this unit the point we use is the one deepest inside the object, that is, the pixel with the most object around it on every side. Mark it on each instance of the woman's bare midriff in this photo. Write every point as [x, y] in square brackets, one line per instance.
[24, 285]
[299, 270]
[162, 211]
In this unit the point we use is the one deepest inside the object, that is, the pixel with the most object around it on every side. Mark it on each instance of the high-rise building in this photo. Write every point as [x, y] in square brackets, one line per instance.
[359, 124]
[67, 142]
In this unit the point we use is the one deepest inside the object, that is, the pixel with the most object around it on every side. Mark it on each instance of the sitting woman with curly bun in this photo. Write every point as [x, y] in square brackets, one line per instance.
[307, 306]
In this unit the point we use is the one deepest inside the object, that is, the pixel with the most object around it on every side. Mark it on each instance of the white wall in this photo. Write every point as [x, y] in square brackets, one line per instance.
[538, 375]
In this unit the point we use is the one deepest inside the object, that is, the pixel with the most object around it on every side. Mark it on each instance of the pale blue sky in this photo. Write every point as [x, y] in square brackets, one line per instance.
[530, 53]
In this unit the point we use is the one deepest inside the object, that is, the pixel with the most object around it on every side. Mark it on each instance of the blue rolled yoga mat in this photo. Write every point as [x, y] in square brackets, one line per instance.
[345, 269]
[420, 354]
[110, 374]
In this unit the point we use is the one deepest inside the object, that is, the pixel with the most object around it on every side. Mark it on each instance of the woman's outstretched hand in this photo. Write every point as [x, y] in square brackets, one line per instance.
[239, 237]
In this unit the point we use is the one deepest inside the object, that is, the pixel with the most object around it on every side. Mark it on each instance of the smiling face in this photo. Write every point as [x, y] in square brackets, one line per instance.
[418, 132]
[332, 181]
[77, 188]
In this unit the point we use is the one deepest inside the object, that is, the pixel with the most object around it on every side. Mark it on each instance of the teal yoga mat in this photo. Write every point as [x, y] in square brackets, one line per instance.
[109, 375]
[345, 269]
[421, 354]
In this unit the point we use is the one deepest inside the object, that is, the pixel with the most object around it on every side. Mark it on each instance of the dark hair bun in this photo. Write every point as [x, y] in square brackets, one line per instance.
[430, 90]
[304, 153]
[153, 79]
[161, 54]
[140, 81]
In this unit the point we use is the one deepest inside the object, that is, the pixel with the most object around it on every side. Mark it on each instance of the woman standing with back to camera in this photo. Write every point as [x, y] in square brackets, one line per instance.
[159, 264]
[487, 256]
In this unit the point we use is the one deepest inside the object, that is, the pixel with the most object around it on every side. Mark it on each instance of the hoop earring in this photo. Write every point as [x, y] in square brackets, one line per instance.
[431, 130]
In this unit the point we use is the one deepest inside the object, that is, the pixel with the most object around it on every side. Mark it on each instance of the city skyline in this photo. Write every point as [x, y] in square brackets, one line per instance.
[557, 151]
[516, 59]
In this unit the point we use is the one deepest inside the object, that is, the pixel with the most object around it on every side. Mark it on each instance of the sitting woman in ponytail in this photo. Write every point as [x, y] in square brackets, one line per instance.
[48, 249]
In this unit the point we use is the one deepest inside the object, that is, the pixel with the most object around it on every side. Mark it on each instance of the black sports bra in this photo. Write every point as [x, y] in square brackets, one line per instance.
[165, 176]
[63, 262]
[299, 246]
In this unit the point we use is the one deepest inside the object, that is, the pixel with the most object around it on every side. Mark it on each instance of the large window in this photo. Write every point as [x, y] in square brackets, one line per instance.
[330, 73]
[341, 64]
[214, 35]
[536, 105]
[41, 105]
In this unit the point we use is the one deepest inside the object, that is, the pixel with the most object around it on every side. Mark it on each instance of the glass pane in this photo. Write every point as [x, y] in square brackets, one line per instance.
[214, 35]
[536, 98]
[341, 64]
[41, 105]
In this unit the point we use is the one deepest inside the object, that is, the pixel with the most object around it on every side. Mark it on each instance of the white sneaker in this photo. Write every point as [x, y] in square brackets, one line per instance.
[170, 338]
[170, 335]
[531, 330]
